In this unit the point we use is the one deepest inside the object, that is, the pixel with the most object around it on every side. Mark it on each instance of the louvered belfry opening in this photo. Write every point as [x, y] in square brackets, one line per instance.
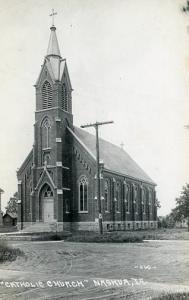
[47, 95]
[64, 98]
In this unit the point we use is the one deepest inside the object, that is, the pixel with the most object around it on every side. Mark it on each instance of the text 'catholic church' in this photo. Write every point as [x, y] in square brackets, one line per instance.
[57, 181]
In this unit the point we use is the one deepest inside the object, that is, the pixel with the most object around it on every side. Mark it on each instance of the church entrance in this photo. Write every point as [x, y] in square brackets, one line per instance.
[46, 205]
[48, 210]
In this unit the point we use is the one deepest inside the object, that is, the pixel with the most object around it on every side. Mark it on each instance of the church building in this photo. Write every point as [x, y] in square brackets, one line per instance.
[57, 182]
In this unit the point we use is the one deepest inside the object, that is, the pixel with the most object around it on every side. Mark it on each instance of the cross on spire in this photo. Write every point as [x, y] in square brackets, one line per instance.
[52, 15]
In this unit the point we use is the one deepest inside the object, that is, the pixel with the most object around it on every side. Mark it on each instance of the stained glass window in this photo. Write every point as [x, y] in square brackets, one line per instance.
[83, 194]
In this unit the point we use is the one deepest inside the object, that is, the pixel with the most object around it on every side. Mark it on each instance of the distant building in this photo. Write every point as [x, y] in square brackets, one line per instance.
[10, 219]
[182, 224]
[56, 182]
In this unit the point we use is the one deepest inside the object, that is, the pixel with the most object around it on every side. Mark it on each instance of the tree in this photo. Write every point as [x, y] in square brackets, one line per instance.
[157, 203]
[181, 210]
[186, 7]
[1, 192]
[166, 222]
[12, 205]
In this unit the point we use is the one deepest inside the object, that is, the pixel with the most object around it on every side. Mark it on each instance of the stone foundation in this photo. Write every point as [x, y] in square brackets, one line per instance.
[94, 226]
[110, 226]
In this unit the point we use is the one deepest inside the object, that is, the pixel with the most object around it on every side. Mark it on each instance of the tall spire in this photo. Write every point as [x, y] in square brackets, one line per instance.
[53, 47]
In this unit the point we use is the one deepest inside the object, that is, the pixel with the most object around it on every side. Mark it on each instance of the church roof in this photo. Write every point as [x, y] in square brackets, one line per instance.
[114, 158]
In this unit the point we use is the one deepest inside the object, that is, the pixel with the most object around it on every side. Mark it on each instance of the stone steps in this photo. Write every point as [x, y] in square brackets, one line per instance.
[36, 232]
[15, 237]
[40, 227]
[35, 236]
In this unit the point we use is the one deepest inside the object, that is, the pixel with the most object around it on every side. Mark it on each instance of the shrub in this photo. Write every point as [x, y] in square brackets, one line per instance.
[110, 237]
[7, 253]
[175, 296]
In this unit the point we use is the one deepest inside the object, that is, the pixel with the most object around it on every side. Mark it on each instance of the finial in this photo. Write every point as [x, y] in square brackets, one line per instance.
[52, 15]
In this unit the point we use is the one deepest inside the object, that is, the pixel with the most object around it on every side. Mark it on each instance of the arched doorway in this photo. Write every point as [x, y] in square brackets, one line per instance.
[46, 205]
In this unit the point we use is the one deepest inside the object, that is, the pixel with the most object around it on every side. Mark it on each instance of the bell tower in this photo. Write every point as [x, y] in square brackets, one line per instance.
[51, 153]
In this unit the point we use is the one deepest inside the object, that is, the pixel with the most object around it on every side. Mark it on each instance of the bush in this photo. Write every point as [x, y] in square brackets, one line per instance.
[7, 253]
[175, 296]
[47, 237]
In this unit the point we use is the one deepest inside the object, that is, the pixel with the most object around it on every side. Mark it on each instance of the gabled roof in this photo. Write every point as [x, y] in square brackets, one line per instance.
[56, 68]
[26, 162]
[45, 173]
[11, 214]
[114, 158]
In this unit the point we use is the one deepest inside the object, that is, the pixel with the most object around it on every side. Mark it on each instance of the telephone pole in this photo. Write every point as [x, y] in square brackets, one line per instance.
[96, 125]
[1, 221]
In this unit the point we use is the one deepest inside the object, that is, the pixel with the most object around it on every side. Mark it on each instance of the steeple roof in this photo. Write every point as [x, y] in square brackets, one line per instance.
[53, 61]
[53, 47]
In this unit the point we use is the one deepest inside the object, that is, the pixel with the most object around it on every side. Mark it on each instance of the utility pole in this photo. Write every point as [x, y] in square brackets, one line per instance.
[96, 125]
[1, 221]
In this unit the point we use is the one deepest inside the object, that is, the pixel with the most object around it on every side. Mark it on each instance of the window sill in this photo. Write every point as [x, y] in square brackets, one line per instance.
[46, 149]
[83, 212]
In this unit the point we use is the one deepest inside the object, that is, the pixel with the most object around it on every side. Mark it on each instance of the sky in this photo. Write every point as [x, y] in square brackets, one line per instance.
[128, 62]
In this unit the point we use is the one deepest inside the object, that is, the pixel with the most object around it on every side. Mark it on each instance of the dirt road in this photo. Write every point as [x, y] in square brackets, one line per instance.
[64, 270]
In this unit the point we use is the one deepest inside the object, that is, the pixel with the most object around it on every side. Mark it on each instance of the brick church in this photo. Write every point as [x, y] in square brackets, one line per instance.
[57, 183]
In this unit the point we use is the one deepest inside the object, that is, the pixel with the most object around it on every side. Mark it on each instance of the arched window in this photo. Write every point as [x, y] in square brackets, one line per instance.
[143, 201]
[135, 199]
[30, 189]
[46, 126]
[47, 192]
[118, 197]
[64, 98]
[106, 195]
[128, 198]
[83, 194]
[150, 201]
[47, 95]
[67, 206]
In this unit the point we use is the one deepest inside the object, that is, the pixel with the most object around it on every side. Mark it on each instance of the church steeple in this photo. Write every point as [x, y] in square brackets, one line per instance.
[53, 86]
[53, 47]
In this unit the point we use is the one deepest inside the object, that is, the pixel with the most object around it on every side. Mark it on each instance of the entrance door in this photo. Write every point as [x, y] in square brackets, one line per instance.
[48, 210]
